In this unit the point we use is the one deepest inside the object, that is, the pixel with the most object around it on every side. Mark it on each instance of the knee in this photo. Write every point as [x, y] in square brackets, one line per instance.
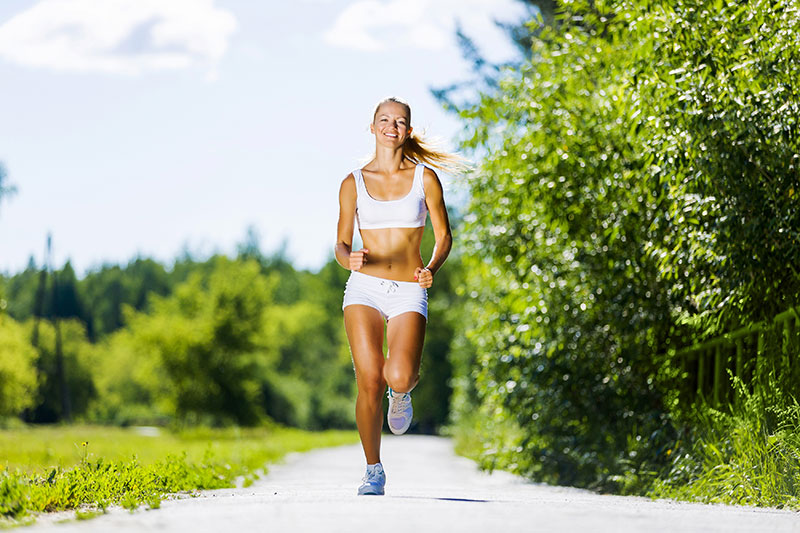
[371, 385]
[400, 379]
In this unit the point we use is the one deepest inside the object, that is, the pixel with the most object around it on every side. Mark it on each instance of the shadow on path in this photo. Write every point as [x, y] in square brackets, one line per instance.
[443, 499]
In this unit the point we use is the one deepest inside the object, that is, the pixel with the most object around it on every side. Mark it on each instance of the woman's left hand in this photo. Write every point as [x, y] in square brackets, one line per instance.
[424, 277]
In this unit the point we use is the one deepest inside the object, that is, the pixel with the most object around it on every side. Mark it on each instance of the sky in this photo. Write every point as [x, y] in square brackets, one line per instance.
[157, 127]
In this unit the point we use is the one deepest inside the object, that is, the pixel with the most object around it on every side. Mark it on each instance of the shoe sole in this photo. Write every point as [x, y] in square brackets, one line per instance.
[401, 430]
[370, 493]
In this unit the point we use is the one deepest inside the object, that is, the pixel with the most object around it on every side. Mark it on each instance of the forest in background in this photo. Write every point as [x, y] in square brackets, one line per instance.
[218, 341]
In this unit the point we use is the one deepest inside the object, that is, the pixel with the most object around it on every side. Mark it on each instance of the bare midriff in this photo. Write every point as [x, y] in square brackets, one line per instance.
[393, 252]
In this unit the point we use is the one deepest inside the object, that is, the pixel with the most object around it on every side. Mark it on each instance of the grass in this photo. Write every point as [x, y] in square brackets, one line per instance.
[747, 455]
[750, 456]
[88, 468]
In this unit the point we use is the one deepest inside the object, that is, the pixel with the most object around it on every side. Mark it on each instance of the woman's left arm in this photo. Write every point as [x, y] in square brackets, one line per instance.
[434, 199]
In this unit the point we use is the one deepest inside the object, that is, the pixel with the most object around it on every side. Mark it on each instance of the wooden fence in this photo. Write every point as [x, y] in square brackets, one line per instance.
[741, 353]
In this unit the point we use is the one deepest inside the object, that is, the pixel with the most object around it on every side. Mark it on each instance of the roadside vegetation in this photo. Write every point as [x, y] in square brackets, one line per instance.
[88, 468]
[636, 191]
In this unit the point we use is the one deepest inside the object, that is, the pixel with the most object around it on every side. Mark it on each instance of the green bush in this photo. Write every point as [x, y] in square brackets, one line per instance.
[636, 193]
[132, 385]
[567, 306]
[18, 379]
[716, 86]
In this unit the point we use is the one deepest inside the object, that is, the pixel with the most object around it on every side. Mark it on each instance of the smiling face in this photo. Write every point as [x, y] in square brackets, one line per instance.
[391, 124]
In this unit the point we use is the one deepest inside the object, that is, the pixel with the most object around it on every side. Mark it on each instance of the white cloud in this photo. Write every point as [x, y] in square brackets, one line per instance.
[118, 36]
[377, 25]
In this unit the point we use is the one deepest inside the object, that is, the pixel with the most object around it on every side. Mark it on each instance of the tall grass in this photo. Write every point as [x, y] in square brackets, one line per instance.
[748, 456]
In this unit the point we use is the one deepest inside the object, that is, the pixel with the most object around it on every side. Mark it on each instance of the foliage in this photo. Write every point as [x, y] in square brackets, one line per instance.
[57, 295]
[631, 188]
[220, 349]
[20, 292]
[131, 383]
[567, 306]
[150, 468]
[76, 349]
[107, 290]
[718, 92]
[5, 190]
[486, 74]
[18, 380]
[209, 336]
[740, 457]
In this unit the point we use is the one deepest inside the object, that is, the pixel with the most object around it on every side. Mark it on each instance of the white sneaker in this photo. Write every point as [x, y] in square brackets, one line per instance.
[400, 411]
[374, 481]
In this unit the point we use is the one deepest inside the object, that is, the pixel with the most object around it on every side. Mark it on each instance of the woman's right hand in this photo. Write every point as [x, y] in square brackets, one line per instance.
[358, 259]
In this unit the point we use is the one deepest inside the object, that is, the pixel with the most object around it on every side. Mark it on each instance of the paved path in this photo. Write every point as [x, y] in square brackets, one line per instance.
[428, 489]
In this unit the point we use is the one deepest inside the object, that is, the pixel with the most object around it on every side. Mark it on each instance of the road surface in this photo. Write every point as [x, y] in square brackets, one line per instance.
[428, 488]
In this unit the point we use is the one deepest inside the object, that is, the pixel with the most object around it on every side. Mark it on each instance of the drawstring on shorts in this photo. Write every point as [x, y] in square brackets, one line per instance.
[391, 286]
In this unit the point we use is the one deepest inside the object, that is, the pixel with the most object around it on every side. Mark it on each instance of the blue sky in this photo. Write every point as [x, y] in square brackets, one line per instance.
[151, 127]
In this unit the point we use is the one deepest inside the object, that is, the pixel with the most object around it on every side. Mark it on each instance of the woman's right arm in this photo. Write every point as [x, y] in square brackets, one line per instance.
[347, 213]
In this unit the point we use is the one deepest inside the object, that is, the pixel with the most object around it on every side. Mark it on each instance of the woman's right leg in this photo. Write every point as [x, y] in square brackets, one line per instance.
[364, 326]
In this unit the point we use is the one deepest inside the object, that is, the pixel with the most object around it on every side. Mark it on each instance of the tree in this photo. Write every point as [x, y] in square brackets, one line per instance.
[77, 381]
[131, 382]
[21, 291]
[720, 90]
[566, 302]
[461, 95]
[107, 290]
[5, 190]
[210, 338]
[18, 381]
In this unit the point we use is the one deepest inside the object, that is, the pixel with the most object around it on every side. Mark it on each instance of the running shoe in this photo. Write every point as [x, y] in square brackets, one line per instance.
[373, 482]
[400, 411]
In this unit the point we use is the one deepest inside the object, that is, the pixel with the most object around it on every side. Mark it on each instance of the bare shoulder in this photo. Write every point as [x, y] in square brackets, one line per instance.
[431, 181]
[347, 191]
[348, 183]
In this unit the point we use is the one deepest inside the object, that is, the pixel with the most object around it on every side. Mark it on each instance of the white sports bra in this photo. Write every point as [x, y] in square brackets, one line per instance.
[407, 212]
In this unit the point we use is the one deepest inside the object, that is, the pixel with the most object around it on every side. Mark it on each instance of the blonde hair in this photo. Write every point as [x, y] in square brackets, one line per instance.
[422, 150]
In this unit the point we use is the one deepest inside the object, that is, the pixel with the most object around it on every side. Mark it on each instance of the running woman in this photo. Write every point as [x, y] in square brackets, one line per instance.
[390, 199]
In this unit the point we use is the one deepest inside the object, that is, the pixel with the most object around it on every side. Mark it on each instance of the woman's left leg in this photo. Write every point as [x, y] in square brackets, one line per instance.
[405, 334]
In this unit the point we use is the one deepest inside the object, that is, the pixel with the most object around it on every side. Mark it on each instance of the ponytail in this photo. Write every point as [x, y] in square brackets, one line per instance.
[421, 150]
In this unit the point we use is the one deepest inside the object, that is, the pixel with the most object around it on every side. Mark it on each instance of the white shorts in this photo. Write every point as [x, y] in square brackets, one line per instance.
[389, 297]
